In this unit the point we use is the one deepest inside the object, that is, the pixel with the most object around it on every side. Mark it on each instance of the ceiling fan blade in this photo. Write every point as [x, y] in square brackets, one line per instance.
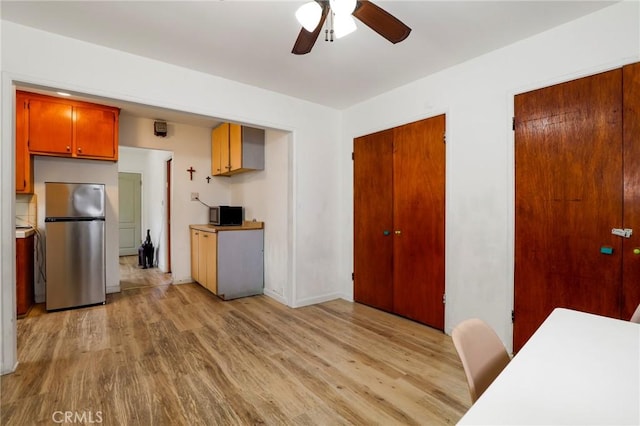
[306, 39]
[381, 21]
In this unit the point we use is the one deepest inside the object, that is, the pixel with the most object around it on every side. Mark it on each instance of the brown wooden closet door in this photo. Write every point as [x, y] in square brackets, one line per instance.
[568, 167]
[631, 138]
[419, 214]
[373, 220]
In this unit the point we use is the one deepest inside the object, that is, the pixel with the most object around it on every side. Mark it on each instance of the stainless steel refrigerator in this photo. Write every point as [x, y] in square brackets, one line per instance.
[75, 245]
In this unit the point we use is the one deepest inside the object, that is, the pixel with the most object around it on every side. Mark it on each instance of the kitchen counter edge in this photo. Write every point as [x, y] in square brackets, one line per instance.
[244, 227]
[24, 233]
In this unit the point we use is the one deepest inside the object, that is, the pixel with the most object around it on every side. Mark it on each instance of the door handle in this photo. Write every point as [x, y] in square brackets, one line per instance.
[636, 251]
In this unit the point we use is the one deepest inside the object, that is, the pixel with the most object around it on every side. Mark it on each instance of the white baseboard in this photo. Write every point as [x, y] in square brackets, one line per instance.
[186, 280]
[315, 300]
[113, 289]
[276, 296]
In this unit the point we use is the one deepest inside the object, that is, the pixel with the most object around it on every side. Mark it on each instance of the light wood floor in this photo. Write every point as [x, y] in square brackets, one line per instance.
[177, 355]
[134, 276]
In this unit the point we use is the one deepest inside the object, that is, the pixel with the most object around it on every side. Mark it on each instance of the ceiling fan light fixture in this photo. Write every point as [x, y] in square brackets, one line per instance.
[342, 7]
[343, 25]
[308, 15]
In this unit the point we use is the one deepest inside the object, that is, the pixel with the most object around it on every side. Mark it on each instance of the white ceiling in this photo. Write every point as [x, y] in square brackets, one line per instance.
[251, 41]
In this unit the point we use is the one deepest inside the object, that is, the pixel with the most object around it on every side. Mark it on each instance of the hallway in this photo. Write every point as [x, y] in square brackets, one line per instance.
[133, 276]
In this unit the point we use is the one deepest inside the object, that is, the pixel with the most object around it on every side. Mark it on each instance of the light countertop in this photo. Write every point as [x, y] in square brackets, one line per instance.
[245, 226]
[24, 232]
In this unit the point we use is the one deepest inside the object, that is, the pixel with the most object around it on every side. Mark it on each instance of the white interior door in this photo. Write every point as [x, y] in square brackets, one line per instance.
[129, 206]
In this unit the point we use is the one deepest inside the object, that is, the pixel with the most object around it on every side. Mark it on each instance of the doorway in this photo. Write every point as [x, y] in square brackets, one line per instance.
[168, 210]
[129, 204]
[153, 192]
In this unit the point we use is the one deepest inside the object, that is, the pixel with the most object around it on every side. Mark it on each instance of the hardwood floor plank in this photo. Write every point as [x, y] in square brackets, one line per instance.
[177, 355]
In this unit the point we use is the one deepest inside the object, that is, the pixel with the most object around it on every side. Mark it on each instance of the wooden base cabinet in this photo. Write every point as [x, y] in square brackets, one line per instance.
[228, 263]
[24, 274]
[66, 128]
[204, 261]
[195, 255]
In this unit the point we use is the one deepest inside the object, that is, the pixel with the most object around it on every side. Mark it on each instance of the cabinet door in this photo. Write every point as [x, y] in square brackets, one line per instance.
[373, 220]
[207, 260]
[219, 149]
[24, 175]
[50, 127]
[195, 273]
[95, 132]
[24, 274]
[235, 147]
[203, 239]
[212, 262]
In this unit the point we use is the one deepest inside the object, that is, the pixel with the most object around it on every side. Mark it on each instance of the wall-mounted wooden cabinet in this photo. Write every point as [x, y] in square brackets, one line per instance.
[236, 149]
[67, 128]
[24, 162]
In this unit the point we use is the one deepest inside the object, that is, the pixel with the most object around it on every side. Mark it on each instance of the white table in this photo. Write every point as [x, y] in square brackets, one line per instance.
[577, 369]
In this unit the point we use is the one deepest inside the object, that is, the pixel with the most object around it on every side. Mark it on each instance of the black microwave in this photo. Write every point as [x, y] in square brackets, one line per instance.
[226, 216]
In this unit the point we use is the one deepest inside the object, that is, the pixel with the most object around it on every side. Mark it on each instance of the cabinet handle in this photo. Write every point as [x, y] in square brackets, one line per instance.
[79, 150]
[398, 232]
[206, 236]
[68, 148]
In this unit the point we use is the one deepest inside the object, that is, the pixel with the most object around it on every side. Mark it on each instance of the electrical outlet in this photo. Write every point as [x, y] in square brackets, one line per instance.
[195, 196]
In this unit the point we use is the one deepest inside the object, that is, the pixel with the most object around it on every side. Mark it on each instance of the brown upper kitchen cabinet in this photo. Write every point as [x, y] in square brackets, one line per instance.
[67, 128]
[236, 149]
[24, 162]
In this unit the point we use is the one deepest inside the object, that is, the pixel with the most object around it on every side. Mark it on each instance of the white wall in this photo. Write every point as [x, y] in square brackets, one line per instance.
[265, 196]
[191, 147]
[36, 57]
[477, 97]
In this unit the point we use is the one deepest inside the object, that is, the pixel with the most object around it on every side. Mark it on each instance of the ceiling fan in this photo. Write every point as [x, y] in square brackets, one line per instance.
[312, 16]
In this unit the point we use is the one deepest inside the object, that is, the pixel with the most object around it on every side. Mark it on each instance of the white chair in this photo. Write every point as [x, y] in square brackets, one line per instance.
[482, 354]
[636, 316]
